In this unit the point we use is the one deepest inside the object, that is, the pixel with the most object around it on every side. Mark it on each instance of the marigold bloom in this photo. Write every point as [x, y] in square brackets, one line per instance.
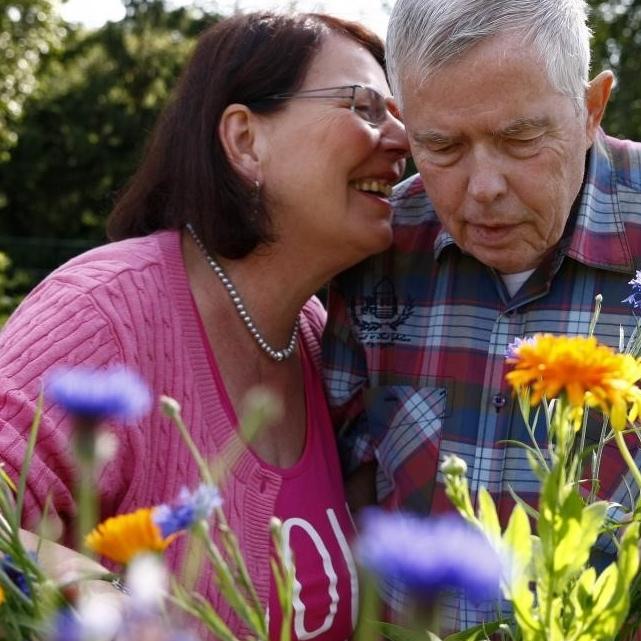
[1, 595]
[581, 369]
[121, 538]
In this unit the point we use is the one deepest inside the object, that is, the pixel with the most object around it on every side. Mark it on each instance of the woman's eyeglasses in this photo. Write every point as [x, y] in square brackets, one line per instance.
[365, 102]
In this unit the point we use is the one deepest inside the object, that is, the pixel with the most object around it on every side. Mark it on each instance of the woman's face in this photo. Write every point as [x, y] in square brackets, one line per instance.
[327, 172]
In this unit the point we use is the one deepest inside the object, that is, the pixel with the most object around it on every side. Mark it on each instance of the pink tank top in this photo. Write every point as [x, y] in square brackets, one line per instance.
[316, 522]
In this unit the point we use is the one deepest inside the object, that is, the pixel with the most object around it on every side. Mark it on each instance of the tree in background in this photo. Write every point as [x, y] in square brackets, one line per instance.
[86, 123]
[617, 46]
[29, 30]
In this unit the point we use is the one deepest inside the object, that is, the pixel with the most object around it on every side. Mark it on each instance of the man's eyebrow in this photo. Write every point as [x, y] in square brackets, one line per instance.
[432, 136]
[525, 125]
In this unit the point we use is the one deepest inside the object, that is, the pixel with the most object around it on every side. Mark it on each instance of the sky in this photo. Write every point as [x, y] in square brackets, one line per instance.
[94, 13]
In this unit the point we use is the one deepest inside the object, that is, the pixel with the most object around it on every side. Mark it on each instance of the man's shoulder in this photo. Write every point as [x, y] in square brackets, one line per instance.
[411, 204]
[625, 159]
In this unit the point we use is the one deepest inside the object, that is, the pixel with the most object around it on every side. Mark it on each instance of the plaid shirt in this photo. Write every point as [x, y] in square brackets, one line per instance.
[416, 340]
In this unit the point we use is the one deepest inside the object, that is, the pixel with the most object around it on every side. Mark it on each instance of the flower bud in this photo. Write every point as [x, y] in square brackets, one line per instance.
[452, 465]
[170, 406]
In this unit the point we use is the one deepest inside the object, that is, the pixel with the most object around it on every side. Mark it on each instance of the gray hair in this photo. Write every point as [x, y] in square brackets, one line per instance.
[425, 35]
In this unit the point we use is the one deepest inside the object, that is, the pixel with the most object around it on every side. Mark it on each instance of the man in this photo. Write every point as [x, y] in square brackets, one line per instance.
[523, 212]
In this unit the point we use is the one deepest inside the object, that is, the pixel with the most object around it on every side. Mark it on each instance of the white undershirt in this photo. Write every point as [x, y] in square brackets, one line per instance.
[513, 282]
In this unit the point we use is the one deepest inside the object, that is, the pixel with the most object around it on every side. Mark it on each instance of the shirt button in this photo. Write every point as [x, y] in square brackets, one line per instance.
[499, 401]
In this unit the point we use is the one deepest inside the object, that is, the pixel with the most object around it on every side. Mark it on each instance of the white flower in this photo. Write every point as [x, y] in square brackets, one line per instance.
[99, 617]
[147, 582]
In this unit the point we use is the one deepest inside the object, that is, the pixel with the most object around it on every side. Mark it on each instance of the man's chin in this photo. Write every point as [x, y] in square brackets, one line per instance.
[511, 263]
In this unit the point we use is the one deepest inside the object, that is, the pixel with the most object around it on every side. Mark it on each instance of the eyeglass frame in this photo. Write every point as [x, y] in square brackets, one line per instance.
[303, 94]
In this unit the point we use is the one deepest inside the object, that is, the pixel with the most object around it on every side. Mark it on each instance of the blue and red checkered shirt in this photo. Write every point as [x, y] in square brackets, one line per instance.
[416, 340]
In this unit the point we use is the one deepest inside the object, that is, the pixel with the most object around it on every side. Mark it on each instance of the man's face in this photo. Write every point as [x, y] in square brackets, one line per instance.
[500, 151]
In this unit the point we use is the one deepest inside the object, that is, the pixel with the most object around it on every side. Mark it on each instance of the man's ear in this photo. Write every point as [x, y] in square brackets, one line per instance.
[596, 98]
[237, 132]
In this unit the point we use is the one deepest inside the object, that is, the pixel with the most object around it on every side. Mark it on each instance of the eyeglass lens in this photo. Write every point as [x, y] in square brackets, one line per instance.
[369, 105]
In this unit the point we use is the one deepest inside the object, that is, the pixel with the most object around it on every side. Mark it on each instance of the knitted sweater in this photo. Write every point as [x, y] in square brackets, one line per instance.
[130, 303]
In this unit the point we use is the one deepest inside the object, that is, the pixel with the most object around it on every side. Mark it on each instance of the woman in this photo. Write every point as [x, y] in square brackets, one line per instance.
[268, 173]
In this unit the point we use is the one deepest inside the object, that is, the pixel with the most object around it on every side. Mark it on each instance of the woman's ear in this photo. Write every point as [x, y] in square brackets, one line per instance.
[237, 131]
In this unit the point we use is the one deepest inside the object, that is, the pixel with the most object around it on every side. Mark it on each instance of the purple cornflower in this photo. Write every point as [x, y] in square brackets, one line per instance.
[428, 556]
[94, 395]
[634, 298]
[187, 510]
[511, 349]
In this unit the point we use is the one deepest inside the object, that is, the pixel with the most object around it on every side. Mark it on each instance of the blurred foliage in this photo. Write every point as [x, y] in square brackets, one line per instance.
[617, 46]
[29, 30]
[86, 122]
[13, 284]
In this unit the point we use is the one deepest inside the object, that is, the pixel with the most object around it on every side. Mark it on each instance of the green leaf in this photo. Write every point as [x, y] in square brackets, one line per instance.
[488, 516]
[476, 633]
[398, 633]
[517, 542]
[577, 535]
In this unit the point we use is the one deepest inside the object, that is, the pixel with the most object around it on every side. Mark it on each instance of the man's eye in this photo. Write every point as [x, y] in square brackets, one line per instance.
[524, 141]
[444, 149]
[443, 155]
[524, 147]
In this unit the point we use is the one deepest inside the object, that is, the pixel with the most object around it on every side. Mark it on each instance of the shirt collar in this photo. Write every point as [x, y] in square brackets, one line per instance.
[599, 239]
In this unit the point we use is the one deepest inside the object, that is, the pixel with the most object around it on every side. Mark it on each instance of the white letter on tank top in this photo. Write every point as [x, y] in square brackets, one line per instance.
[349, 561]
[299, 606]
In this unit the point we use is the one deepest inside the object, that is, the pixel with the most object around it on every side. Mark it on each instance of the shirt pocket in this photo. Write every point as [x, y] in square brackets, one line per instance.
[406, 423]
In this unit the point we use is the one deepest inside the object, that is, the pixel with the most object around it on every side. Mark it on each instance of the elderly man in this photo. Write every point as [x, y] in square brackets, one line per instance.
[523, 212]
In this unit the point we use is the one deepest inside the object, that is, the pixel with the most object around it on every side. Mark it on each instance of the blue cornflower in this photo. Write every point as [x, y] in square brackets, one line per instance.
[16, 576]
[634, 298]
[65, 626]
[511, 349]
[95, 395]
[187, 510]
[428, 556]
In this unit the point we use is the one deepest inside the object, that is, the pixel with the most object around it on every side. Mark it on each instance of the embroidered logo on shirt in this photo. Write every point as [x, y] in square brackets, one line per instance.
[379, 316]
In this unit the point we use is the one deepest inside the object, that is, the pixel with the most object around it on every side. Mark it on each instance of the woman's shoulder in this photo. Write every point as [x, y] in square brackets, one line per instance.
[315, 316]
[312, 324]
[100, 287]
[111, 261]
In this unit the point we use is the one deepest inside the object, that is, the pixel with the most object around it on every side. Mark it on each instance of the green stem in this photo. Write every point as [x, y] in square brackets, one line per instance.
[627, 457]
[85, 445]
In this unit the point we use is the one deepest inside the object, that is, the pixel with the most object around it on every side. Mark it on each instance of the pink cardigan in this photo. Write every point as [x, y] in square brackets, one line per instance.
[130, 303]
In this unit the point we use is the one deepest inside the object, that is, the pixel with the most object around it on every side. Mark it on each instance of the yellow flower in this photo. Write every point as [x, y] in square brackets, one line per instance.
[1, 595]
[120, 538]
[581, 369]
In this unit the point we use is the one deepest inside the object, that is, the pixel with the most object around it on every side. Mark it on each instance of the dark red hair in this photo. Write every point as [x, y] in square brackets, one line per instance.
[185, 175]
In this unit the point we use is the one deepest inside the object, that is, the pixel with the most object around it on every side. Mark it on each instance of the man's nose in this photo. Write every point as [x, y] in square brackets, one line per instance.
[487, 180]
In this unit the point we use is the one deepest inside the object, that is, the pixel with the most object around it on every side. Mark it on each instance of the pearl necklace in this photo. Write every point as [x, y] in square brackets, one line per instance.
[275, 354]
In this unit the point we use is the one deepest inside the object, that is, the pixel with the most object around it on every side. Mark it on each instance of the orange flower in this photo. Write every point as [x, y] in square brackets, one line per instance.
[1, 595]
[120, 538]
[581, 369]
